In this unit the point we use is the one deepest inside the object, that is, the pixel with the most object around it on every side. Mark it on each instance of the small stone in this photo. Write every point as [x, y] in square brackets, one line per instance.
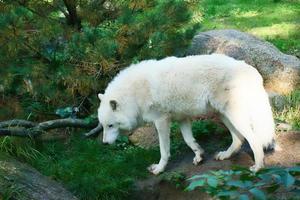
[145, 137]
[278, 101]
[283, 127]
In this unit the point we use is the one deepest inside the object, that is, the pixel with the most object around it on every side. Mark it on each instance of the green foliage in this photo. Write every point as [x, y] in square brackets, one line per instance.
[174, 177]
[21, 148]
[92, 170]
[273, 20]
[8, 193]
[240, 183]
[291, 111]
[50, 59]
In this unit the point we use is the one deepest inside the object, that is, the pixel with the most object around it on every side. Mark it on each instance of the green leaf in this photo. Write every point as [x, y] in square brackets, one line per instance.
[272, 188]
[244, 197]
[123, 139]
[240, 184]
[228, 193]
[258, 194]
[212, 181]
[194, 184]
[294, 169]
[64, 112]
[287, 179]
[234, 183]
[296, 191]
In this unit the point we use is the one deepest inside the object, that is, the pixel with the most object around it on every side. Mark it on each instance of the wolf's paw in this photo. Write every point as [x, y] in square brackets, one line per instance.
[155, 169]
[222, 155]
[255, 168]
[197, 160]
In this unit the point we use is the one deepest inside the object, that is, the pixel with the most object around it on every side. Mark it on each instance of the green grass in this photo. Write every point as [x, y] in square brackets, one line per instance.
[291, 111]
[275, 21]
[95, 171]
[88, 169]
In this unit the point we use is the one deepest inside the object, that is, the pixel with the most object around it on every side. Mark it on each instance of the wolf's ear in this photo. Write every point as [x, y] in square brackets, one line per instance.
[100, 96]
[113, 104]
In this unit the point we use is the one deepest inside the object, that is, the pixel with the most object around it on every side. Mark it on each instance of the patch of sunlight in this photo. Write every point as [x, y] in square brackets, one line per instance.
[283, 30]
[197, 16]
[247, 14]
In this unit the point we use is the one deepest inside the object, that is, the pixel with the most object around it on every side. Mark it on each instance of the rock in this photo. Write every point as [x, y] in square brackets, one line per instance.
[281, 72]
[283, 126]
[21, 181]
[145, 137]
[277, 101]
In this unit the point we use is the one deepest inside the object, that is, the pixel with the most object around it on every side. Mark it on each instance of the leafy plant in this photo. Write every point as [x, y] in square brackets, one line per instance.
[176, 178]
[291, 111]
[9, 192]
[53, 57]
[241, 183]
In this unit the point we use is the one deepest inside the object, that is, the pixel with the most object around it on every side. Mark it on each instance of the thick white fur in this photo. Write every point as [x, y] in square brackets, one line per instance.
[182, 88]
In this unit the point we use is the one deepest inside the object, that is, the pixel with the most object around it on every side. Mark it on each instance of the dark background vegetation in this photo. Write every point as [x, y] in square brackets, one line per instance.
[61, 53]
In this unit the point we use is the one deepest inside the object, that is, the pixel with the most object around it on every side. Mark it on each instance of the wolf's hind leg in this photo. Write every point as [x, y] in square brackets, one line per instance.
[163, 128]
[186, 130]
[237, 141]
[238, 119]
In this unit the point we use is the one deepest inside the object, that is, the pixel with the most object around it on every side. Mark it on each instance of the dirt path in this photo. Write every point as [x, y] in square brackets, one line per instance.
[155, 188]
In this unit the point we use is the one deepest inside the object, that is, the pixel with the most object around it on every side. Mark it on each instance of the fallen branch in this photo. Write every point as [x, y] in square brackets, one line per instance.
[24, 128]
[94, 132]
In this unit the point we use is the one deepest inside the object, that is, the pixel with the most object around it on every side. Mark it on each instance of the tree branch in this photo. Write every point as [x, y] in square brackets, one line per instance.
[68, 122]
[24, 128]
[94, 131]
[72, 18]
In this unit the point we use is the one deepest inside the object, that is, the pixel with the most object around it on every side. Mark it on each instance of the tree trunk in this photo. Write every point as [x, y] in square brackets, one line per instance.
[21, 181]
[72, 18]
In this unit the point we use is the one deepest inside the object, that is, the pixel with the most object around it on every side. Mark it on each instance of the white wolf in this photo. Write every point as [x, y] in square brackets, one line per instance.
[180, 89]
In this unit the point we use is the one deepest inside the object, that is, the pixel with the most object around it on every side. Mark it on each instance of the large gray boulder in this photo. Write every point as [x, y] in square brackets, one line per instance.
[281, 72]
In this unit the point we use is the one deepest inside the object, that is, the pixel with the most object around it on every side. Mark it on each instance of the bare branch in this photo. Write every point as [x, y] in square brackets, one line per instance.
[68, 122]
[24, 128]
[94, 131]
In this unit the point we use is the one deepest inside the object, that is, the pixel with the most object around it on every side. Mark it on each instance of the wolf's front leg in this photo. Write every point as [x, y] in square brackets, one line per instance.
[163, 128]
[186, 130]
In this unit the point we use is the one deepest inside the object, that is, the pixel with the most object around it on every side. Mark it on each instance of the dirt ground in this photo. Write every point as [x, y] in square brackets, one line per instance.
[155, 188]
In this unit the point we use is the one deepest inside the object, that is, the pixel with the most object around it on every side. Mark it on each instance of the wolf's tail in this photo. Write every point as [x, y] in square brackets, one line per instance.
[261, 118]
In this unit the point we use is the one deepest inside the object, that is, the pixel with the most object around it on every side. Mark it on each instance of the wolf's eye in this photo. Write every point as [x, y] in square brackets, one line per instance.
[110, 126]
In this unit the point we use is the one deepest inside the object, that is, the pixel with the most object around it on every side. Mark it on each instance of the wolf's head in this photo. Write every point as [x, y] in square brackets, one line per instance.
[114, 115]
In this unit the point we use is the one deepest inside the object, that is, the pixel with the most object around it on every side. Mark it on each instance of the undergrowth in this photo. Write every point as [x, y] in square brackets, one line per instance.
[291, 110]
[22, 148]
[240, 183]
[92, 170]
